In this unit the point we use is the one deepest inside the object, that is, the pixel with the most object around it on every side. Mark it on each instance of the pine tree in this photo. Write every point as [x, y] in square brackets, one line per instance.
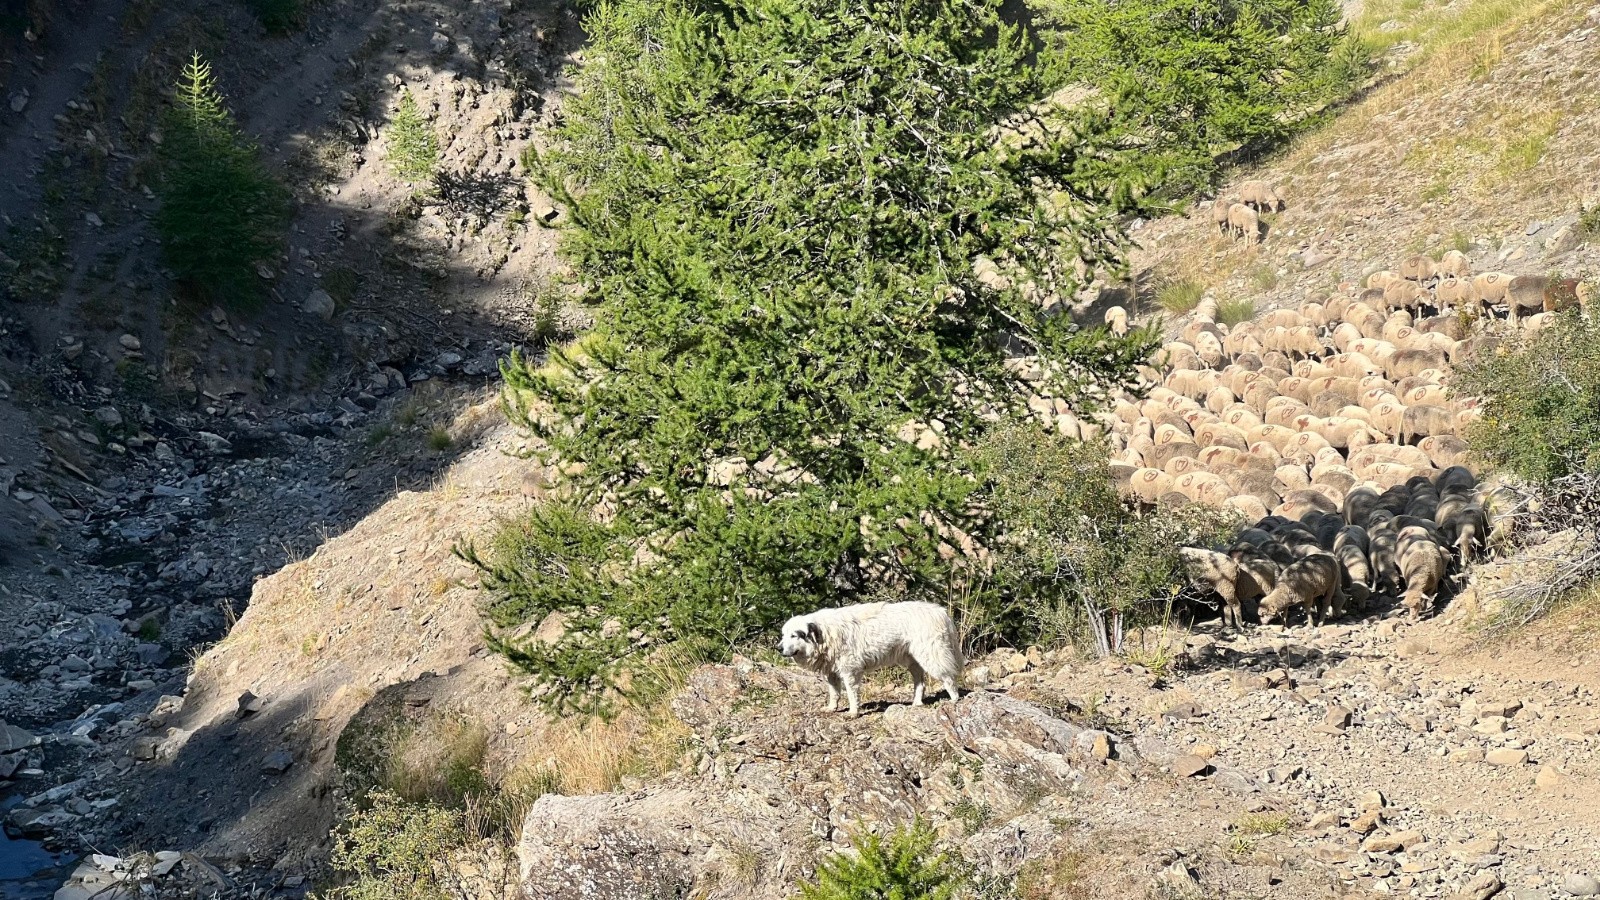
[413, 149]
[221, 212]
[903, 867]
[777, 206]
[1185, 83]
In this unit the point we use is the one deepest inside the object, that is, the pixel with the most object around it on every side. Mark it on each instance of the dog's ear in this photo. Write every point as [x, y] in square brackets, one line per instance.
[814, 632]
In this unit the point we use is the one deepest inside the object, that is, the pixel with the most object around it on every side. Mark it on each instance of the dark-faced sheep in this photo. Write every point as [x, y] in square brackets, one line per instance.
[1311, 583]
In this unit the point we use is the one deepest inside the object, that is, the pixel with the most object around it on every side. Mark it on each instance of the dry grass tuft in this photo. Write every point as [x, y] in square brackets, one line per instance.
[1179, 297]
[1233, 312]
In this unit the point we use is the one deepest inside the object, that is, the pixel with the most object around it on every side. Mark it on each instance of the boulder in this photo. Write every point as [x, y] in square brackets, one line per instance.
[318, 303]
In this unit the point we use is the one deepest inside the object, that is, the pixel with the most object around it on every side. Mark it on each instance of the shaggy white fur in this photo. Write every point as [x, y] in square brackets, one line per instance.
[846, 642]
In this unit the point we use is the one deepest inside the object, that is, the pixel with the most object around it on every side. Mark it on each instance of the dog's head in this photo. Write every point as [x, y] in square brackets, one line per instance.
[801, 638]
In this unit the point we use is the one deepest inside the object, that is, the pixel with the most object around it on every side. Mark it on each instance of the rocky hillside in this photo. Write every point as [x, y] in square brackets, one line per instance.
[226, 536]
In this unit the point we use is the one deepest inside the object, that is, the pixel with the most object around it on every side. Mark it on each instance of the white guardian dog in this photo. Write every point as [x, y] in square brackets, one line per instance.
[846, 642]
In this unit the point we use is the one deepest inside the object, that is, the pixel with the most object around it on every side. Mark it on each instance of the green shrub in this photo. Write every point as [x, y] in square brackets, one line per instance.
[389, 849]
[1232, 312]
[904, 867]
[1077, 561]
[1179, 297]
[1541, 400]
[781, 253]
[221, 212]
[413, 147]
[1188, 81]
[1589, 220]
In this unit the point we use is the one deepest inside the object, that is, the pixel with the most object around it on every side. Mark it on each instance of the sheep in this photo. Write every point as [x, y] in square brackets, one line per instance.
[1311, 583]
[1209, 349]
[1426, 395]
[1219, 214]
[1422, 564]
[1178, 355]
[1149, 484]
[1408, 362]
[1381, 279]
[1417, 267]
[1284, 413]
[1297, 503]
[1404, 295]
[1453, 292]
[1305, 445]
[1525, 292]
[1350, 549]
[1464, 525]
[1388, 416]
[1393, 453]
[1221, 434]
[1359, 502]
[1426, 421]
[1562, 294]
[1490, 288]
[1246, 505]
[1181, 465]
[1116, 319]
[1383, 543]
[1289, 478]
[1444, 450]
[1244, 222]
[1241, 417]
[1261, 195]
[1348, 364]
[1455, 264]
[1455, 477]
[1220, 573]
[1344, 335]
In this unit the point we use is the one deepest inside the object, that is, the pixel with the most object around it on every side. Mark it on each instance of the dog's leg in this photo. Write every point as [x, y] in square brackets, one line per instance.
[833, 692]
[852, 691]
[951, 689]
[919, 680]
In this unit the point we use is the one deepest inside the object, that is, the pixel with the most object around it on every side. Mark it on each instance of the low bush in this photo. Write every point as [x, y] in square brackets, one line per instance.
[390, 849]
[278, 15]
[902, 867]
[1077, 564]
[1541, 400]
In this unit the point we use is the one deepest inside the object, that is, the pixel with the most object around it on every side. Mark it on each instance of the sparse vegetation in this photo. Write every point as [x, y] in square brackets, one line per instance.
[413, 147]
[1178, 297]
[439, 439]
[904, 867]
[221, 212]
[1589, 220]
[1232, 312]
[1541, 400]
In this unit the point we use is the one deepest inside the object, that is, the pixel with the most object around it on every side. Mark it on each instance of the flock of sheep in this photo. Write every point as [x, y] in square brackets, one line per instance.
[1332, 428]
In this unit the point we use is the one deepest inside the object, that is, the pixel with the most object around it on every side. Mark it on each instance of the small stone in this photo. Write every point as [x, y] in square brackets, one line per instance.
[19, 101]
[1366, 823]
[1504, 710]
[1102, 747]
[1323, 820]
[1189, 765]
[1466, 755]
[1549, 777]
[1391, 843]
[318, 303]
[1373, 800]
[1482, 886]
[13, 738]
[1506, 756]
[1336, 721]
[1204, 751]
[1185, 710]
[130, 342]
[108, 416]
[249, 705]
[277, 762]
[216, 443]
[440, 42]
[1579, 885]
[1565, 239]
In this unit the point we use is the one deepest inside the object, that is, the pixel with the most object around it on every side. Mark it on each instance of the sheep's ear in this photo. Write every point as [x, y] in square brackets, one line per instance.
[814, 631]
